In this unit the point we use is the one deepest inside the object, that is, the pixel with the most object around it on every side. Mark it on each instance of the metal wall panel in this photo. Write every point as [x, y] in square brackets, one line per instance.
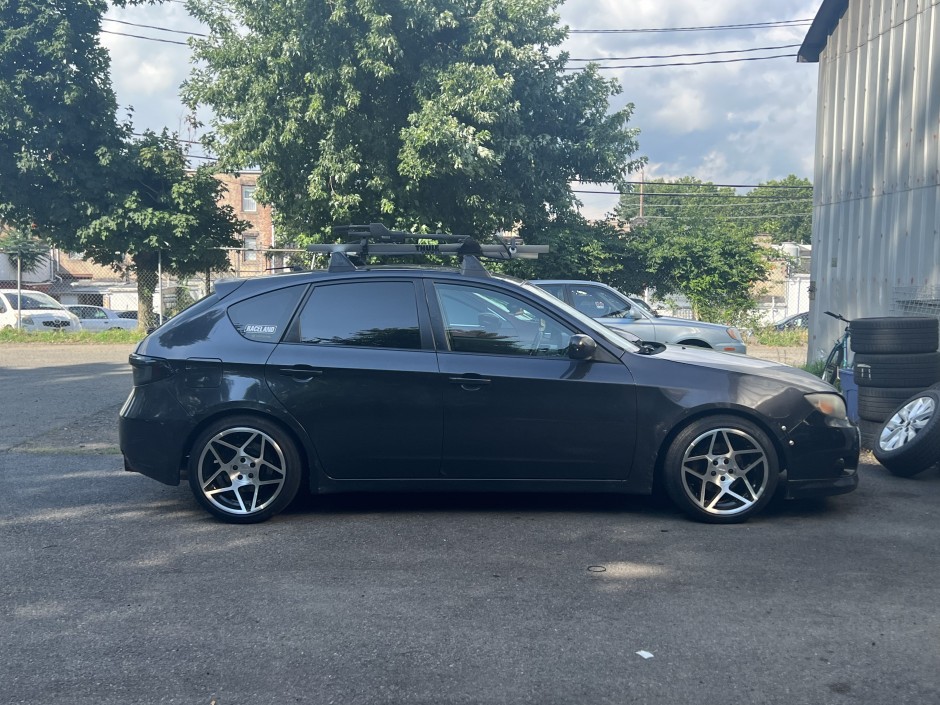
[876, 219]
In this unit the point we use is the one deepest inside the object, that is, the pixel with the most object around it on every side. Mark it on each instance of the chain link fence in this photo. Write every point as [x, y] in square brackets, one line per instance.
[152, 296]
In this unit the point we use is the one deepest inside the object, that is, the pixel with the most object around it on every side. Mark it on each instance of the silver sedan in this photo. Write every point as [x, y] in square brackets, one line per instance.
[619, 312]
[99, 318]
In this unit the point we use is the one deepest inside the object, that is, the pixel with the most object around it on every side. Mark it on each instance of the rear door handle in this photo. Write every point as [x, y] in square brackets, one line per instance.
[302, 373]
[470, 383]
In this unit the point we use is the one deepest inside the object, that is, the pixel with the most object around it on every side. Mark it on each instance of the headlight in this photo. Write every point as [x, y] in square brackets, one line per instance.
[735, 333]
[829, 404]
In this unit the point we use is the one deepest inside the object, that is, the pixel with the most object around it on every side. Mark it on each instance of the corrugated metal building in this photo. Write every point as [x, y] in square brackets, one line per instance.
[876, 218]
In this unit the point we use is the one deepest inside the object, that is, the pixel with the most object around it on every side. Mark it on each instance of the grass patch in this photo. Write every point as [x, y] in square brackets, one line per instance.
[781, 338]
[815, 367]
[107, 337]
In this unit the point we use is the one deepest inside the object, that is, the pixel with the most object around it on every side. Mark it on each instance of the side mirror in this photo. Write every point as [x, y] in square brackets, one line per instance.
[581, 347]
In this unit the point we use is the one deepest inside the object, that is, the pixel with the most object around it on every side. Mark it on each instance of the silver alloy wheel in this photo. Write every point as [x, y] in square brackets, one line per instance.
[725, 471]
[241, 470]
[906, 422]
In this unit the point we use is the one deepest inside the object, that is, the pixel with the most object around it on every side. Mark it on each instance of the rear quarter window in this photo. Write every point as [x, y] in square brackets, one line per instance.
[265, 317]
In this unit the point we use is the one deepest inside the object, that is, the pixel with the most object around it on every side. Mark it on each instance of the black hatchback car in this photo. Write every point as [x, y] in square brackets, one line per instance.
[426, 379]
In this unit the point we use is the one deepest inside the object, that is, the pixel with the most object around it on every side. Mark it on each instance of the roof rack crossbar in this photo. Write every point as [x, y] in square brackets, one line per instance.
[404, 249]
[376, 239]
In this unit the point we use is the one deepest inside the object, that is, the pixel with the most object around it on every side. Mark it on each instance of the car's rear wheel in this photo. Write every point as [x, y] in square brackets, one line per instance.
[721, 470]
[244, 469]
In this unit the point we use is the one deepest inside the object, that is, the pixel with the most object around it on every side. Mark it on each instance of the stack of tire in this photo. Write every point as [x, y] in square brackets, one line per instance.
[896, 368]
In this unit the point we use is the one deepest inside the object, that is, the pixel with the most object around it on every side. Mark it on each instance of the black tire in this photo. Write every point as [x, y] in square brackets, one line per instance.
[910, 334]
[909, 441]
[244, 469]
[894, 371]
[869, 431]
[877, 404]
[721, 470]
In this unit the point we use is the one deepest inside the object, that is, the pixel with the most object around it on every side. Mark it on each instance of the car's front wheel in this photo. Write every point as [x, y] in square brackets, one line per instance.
[721, 470]
[244, 469]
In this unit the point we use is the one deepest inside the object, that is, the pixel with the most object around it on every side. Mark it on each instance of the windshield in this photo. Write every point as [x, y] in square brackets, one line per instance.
[597, 330]
[33, 301]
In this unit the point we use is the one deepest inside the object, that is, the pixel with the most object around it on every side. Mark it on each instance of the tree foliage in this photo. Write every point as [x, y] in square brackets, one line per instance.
[427, 114]
[25, 250]
[71, 171]
[692, 245]
[58, 122]
[162, 215]
[783, 209]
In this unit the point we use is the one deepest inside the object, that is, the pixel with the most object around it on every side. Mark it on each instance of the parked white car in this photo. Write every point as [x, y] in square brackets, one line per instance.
[38, 312]
[99, 318]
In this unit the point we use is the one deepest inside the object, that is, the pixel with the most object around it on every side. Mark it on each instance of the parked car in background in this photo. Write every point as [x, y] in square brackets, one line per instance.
[799, 321]
[364, 379]
[618, 311]
[128, 314]
[99, 318]
[36, 311]
[645, 306]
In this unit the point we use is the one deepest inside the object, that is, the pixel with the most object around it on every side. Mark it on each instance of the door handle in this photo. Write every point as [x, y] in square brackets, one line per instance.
[302, 373]
[470, 383]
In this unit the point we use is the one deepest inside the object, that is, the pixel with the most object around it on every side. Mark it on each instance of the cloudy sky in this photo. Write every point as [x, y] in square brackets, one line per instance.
[740, 122]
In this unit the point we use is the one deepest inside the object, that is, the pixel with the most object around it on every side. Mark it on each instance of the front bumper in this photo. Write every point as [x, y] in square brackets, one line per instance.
[844, 483]
[823, 458]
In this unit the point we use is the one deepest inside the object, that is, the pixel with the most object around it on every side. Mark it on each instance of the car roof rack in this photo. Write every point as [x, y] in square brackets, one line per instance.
[377, 240]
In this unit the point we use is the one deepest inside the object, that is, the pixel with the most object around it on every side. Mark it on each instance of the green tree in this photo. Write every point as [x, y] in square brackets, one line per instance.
[692, 244]
[451, 114]
[71, 172]
[58, 126]
[783, 209]
[596, 251]
[163, 216]
[26, 251]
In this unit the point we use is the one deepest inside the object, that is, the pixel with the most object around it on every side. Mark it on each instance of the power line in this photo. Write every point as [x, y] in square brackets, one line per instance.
[690, 63]
[706, 185]
[735, 204]
[159, 29]
[729, 217]
[676, 56]
[687, 194]
[149, 39]
[703, 28]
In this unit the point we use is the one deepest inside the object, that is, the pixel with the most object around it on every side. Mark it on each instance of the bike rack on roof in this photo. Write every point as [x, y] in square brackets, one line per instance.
[377, 240]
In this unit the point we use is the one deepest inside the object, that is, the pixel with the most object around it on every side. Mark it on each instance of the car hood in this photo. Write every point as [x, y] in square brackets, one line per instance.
[47, 313]
[703, 357]
[669, 321]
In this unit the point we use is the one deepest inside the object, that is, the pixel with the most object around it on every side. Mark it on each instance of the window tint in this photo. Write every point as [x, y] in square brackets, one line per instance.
[597, 302]
[364, 314]
[34, 301]
[264, 317]
[557, 290]
[480, 320]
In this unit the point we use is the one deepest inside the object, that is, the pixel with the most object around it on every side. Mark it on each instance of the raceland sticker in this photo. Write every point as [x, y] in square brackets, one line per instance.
[256, 328]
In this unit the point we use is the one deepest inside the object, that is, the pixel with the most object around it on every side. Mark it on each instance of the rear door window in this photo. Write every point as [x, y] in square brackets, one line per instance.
[377, 314]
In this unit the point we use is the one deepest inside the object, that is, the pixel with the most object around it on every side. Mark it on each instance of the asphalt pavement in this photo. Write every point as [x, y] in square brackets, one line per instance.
[116, 589]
